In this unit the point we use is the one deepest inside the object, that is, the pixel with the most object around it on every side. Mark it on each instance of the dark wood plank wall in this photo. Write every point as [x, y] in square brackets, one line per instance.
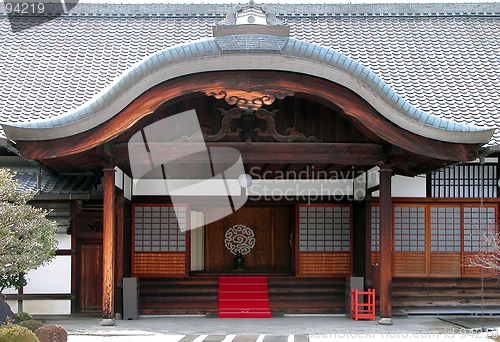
[90, 276]
[445, 295]
[272, 252]
[89, 260]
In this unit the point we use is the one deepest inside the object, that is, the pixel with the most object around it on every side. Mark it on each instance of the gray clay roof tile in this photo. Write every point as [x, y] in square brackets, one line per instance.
[442, 58]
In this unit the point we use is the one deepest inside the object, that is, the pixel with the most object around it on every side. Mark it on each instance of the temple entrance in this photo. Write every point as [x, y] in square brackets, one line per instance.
[268, 236]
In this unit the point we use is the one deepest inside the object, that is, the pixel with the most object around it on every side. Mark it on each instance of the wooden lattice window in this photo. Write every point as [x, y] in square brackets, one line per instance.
[375, 234]
[479, 221]
[159, 229]
[159, 240]
[446, 229]
[464, 181]
[324, 229]
[437, 240]
[409, 240]
[324, 243]
[445, 241]
[409, 229]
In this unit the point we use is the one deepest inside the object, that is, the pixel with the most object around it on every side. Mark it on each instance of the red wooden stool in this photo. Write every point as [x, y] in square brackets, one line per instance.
[361, 309]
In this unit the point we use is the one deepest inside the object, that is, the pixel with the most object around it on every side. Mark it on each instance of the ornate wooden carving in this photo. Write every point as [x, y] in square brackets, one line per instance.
[225, 128]
[249, 100]
[292, 134]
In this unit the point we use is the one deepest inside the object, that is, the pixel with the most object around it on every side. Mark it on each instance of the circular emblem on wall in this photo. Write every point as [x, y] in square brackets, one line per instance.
[239, 238]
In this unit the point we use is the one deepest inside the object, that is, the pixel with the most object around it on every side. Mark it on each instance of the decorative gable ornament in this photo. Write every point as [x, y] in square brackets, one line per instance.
[251, 19]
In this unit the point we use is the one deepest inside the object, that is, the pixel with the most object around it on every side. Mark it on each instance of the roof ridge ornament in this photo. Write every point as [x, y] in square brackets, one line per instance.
[251, 19]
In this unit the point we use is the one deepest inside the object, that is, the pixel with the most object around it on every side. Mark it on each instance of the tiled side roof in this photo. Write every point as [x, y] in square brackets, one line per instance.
[447, 65]
[56, 184]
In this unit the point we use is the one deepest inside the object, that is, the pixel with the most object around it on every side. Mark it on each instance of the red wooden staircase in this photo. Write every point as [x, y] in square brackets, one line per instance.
[243, 297]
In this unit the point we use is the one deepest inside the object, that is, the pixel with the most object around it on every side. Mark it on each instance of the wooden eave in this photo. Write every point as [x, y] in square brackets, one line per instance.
[415, 154]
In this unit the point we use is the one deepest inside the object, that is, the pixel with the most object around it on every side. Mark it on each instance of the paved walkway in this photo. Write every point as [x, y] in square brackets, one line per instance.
[283, 329]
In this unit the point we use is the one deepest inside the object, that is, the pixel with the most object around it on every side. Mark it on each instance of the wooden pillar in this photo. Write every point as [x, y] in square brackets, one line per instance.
[368, 242]
[385, 245]
[74, 261]
[108, 243]
[359, 236]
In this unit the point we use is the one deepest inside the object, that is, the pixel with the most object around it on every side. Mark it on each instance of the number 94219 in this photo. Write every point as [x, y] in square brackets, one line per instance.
[24, 8]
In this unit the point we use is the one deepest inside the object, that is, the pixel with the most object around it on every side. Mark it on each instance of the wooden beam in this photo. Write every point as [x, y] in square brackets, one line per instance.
[385, 245]
[265, 153]
[108, 244]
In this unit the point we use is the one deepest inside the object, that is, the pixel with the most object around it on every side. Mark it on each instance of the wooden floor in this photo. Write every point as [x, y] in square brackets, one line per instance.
[292, 295]
[168, 296]
[199, 295]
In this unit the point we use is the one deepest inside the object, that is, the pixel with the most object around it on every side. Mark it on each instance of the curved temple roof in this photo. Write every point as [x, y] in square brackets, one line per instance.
[248, 51]
[63, 75]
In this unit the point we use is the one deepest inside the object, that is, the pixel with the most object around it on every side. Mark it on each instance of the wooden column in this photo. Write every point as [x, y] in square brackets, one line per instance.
[360, 232]
[74, 261]
[108, 243]
[385, 245]
[368, 242]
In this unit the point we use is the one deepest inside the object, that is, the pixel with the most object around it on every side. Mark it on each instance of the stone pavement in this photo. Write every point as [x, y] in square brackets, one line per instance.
[283, 329]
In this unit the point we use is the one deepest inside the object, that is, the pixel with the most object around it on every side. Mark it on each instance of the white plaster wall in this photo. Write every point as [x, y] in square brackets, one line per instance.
[47, 307]
[9, 291]
[12, 304]
[409, 186]
[52, 278]
[64, 241]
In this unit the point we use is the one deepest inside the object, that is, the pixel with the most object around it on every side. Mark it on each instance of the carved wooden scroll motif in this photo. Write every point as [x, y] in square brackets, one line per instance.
[292, 134]
[225, 128]
[249, 100]
[249, 107]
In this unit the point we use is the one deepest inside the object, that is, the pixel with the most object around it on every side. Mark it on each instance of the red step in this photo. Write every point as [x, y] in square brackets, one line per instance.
[244, 314]
[239, 295]
[243, 279]
[241, 287]
[243, 297]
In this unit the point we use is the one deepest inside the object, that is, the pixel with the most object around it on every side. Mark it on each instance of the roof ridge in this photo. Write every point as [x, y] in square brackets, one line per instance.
[293, 10]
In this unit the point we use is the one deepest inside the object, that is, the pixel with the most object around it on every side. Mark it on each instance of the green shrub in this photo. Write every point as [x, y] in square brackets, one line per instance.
[31, 324]
[51, 333]
[17, 333]
[23, 316]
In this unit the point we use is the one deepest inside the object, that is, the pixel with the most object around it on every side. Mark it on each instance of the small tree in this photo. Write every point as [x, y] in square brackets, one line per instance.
[489, 258]
[27, 237]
